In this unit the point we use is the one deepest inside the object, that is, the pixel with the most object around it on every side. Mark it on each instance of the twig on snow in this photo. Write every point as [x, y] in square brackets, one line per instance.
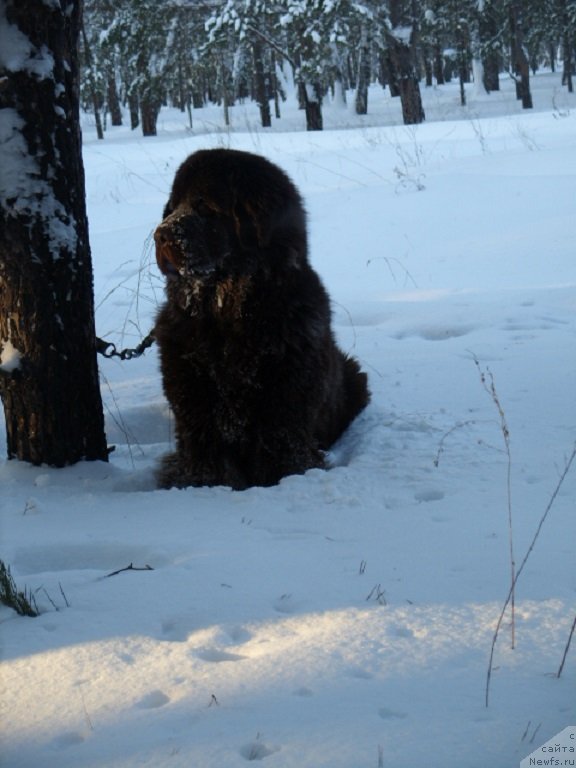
[128, 568]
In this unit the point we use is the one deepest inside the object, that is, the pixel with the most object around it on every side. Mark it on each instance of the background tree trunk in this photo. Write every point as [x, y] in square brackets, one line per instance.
[313, 107]
[519, 57]
[91, 78]
[261, 84]
[364, 72]
[402, 57]
[49, 376]
[488, 32]
[134, 107]
[149, 111]
[567, 46]
[113, 101]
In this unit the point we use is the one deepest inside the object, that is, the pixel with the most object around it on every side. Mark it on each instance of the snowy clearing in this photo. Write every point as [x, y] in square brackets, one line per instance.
[343, 618]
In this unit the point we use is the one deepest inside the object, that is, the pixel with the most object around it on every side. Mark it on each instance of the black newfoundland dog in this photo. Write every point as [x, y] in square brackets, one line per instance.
[258, 387]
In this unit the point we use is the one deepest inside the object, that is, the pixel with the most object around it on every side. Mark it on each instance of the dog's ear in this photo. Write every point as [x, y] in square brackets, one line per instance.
[167, 210]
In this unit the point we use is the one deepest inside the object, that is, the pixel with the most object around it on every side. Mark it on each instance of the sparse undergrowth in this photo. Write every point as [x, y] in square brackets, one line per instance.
[23, 602]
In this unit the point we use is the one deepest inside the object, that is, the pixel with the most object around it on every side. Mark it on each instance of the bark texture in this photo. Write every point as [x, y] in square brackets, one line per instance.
[49, 376]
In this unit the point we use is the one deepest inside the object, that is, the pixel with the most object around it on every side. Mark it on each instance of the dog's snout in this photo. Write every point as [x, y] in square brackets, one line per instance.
[163, 234]
[167, 253]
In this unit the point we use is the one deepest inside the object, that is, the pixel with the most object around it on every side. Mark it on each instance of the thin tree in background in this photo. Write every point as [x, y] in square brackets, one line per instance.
[491, 44]
[48, 373]
[566, 12]
[520, 61]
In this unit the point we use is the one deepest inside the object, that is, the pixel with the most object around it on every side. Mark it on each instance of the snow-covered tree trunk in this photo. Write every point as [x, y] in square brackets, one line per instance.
[48, 371]
[400, 38]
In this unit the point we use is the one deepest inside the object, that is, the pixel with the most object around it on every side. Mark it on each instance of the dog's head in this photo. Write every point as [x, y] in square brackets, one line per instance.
[194, 241]
[230, 215]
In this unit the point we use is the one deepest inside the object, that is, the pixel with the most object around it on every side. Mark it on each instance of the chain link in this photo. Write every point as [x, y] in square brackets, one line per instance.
[108, 349]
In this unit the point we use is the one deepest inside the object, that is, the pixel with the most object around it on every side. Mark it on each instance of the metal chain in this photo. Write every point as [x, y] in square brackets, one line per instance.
[108, 349]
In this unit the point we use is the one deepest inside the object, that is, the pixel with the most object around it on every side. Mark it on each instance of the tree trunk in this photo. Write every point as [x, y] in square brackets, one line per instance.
[568, 64]
[567, 46]
[491, 65]
[134, 108]
[113, 101]
[224, 91]
[438, 64]
[412, 109]
[428, 72]
[519, 57]
[94, 96]
[149, 111]
[364, 71]
[48, 371]
[488, 32]
[262, 88]
[276, 89]
[401, 43]
[313, 107]
[388, 74]
[463, 70]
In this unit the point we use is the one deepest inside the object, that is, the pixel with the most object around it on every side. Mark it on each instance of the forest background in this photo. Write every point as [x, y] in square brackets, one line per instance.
[189, 54]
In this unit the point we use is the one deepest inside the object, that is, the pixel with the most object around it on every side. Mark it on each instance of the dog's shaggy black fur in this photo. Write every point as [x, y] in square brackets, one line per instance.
[249, 363]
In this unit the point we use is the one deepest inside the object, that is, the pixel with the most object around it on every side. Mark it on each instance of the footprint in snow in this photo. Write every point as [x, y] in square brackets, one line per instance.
[257, 750]
[176, 629]
[153, 700]
[234, 635]
[359, 674]
[390, 714]
[217, 656]
[436, 332]
[68, 739]
[285, 604]
[429, 494]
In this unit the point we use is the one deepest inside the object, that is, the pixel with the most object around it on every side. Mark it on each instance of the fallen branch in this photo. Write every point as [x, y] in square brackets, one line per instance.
[128, 568]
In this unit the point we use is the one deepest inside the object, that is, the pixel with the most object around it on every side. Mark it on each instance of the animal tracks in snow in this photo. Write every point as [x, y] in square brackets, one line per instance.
[217, 655]
[221, 645]
[68, 739]
[391, 714]
[258, 750]
[436, 332]
[429, 494]
[153, 700]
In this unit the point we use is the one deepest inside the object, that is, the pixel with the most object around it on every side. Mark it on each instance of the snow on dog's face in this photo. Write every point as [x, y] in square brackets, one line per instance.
[194, 242]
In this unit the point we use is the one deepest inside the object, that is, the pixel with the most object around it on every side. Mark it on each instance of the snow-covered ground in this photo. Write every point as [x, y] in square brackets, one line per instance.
[343, 618]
